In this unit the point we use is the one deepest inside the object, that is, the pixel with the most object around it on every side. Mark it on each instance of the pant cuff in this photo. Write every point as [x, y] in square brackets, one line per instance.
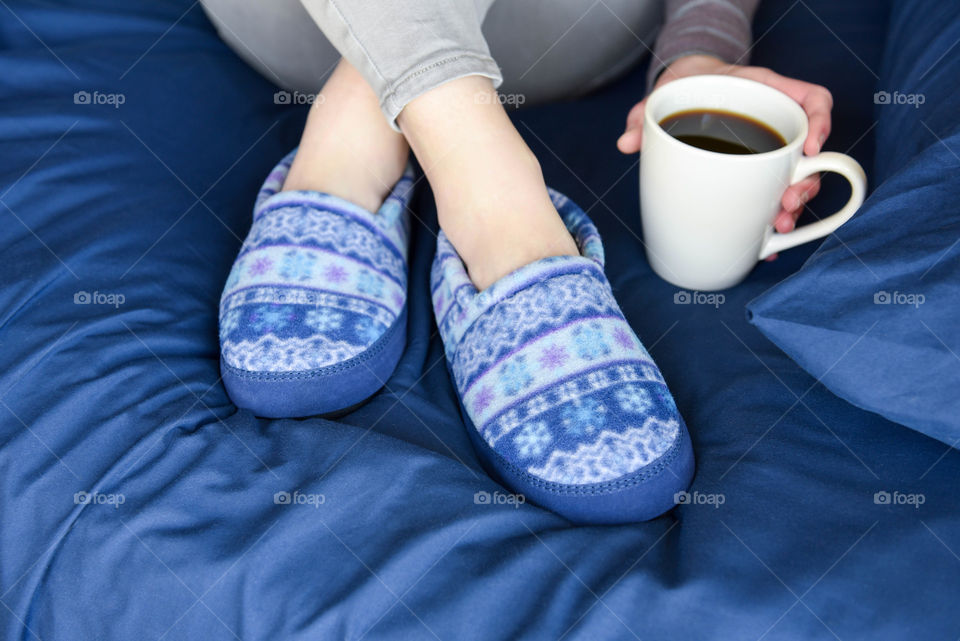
[433, 73]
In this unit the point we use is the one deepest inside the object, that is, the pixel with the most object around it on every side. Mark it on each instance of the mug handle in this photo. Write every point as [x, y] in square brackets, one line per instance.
[826, 161]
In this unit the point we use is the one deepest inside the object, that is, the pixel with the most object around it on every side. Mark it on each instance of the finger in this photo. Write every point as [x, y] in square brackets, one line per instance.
[772, 257]
[632, 139]
[793, 201]
[818, 113]
[799, 194]
[785, 221]
[817, 103]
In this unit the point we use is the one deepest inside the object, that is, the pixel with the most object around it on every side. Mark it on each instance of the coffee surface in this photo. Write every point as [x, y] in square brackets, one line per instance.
[722, 132]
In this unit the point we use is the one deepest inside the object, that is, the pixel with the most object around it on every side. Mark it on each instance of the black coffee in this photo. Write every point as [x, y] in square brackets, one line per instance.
[722, 131]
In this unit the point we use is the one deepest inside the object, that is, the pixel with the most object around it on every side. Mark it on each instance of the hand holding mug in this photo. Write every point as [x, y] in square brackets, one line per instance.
[815, 100]
[719, 151]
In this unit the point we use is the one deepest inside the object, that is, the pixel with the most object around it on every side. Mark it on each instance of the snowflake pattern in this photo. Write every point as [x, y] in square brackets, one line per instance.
[369, 283]
[633, 398]
[291, 302]
[261, 266]
[514, 376]
[268, 319]
[335, 273]
[297, 265]
[623, 338]
[584, 416]
[483, 399]
[323, 320]
[368, 330]
[589, 342]
[553, 357]
[537, 347]
[533, 439]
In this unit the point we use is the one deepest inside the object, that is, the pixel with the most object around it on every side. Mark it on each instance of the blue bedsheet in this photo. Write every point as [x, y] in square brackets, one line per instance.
[136, 502]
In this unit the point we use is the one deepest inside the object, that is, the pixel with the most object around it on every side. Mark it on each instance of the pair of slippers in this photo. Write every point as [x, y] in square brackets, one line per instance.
[561, 400]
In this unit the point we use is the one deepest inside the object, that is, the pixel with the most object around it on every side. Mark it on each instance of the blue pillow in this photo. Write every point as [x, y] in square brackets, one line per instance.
[874, 314]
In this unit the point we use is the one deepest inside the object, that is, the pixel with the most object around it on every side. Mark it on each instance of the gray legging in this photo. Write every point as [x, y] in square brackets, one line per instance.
[544, 49]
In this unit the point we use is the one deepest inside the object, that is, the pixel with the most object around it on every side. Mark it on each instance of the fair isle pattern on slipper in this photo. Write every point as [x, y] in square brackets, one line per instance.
[550, 374]
[317, 282]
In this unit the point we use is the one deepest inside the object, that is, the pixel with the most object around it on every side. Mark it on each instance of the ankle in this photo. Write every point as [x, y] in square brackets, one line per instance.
[361, 176]
[501, 221]
[348, 149]
[492, 201]
[490, 256]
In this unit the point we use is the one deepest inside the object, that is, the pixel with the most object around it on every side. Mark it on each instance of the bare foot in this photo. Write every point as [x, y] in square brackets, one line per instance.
[491, 198]
[348, 149]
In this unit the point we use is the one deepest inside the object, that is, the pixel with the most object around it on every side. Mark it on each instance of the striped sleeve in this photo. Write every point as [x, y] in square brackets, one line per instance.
[718, 28]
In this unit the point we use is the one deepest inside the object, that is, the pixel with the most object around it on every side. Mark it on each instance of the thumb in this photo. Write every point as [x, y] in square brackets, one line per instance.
[632, 138]
[630, 141]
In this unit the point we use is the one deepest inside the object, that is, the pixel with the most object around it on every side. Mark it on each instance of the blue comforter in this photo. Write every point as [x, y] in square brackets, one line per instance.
[136, 502]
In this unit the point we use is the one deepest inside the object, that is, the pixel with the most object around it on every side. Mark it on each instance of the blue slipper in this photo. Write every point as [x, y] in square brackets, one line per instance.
[313, 314]
[562, 401]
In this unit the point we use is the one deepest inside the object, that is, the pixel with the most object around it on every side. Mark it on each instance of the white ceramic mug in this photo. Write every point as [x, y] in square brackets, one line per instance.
[708, 216]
